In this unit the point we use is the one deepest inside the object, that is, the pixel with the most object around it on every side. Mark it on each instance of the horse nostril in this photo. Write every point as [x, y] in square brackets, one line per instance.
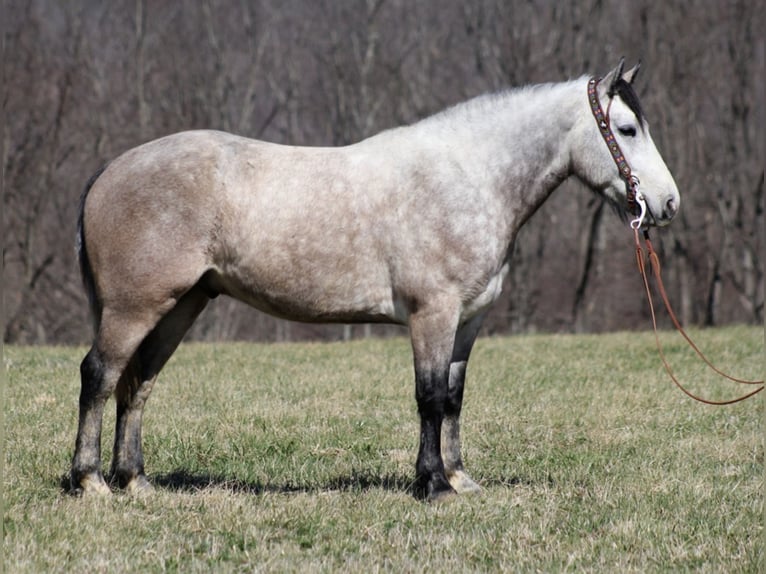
[670, 207]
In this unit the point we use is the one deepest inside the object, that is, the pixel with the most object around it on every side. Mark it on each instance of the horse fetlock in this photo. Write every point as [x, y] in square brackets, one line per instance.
[438, 489]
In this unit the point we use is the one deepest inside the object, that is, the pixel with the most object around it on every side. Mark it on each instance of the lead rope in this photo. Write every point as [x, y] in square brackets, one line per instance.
[636, 204]
[655, 263]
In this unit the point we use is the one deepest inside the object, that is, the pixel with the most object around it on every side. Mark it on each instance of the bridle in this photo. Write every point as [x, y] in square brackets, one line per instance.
[636, 204]
[635, 200]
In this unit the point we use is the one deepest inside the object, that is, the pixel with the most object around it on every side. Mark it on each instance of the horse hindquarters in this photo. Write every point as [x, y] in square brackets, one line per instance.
[143, 275]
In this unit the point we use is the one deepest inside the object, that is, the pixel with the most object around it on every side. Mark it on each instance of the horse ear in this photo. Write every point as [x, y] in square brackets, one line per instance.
[611, 79]
[630, 75]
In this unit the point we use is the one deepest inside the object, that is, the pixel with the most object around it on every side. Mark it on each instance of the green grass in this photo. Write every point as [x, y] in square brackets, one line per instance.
[299, 458]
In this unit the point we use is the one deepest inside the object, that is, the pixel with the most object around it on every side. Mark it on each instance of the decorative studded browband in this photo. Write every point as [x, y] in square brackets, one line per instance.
[602, 119]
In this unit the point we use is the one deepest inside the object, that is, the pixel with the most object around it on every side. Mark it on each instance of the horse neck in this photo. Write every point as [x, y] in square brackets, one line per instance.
[519, 141]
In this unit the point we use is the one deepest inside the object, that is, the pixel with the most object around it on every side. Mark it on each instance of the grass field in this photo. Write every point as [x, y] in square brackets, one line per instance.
[300, 457]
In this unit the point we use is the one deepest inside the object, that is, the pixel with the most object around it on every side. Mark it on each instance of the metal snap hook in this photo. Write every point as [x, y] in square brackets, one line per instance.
[640, 200]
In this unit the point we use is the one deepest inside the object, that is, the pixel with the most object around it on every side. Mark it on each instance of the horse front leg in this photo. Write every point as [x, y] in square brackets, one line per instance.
[432, 333]
[451, 451]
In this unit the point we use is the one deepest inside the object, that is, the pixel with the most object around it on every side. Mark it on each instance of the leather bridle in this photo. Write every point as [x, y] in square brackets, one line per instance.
[633, 197]
[637, 206]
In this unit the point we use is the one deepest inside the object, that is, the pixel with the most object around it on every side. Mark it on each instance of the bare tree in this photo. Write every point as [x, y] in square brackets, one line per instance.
[85, 81]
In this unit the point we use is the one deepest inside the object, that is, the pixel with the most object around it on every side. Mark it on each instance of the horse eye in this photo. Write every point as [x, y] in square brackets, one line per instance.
[628, 131]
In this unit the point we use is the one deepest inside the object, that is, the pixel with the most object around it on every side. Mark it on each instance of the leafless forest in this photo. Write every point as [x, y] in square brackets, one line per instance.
[85, 80]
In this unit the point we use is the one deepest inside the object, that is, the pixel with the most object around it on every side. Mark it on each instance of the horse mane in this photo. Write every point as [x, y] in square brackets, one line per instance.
[479, 105]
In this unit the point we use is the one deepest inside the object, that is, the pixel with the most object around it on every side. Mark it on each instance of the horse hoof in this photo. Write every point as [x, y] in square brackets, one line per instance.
[462, 483]
[91, 485]
[139, 485]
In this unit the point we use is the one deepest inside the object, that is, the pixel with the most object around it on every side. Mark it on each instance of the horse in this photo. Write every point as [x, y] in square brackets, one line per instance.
[412, 226]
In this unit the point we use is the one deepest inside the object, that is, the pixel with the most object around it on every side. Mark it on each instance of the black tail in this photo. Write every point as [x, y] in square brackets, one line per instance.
[82, 253]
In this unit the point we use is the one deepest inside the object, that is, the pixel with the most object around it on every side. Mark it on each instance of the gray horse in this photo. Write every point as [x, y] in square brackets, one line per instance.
[413, 226]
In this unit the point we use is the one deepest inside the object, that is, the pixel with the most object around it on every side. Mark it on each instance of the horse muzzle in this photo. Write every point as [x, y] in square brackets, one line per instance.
[668, 209]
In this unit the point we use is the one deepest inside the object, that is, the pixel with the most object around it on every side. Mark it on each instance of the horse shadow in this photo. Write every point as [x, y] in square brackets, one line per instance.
[184, 481]
[181, 480]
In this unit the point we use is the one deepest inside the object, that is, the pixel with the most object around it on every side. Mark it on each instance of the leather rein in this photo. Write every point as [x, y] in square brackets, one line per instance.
[637, 206]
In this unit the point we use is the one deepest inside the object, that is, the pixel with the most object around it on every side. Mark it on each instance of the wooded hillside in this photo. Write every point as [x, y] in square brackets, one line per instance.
[86, 80]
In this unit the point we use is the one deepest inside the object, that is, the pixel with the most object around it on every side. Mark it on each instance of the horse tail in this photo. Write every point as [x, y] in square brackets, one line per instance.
[86, 271]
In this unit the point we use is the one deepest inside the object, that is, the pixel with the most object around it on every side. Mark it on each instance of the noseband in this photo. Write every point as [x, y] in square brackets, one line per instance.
[635, 200]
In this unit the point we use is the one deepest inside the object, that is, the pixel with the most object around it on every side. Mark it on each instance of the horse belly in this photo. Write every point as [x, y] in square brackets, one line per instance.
[311, 288]
[316, 305]
[306, 247]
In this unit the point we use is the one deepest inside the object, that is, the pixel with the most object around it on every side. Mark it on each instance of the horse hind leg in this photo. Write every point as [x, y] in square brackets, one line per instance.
[101, 369]
[133, 389]
[451, 451]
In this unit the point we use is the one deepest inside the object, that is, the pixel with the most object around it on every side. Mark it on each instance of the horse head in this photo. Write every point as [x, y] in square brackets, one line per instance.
[615, 154]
